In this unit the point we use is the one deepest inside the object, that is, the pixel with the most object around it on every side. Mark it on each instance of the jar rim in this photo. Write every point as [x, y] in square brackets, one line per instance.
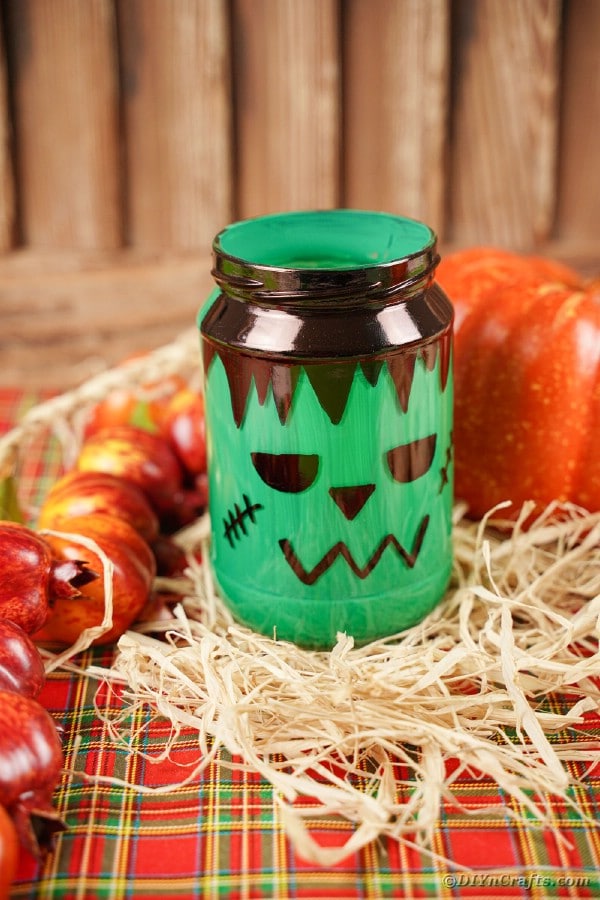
[334, 239]
[323, 253]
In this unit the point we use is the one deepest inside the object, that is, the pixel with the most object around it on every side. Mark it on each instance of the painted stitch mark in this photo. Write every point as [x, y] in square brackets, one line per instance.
[444, 469]
[235, 523]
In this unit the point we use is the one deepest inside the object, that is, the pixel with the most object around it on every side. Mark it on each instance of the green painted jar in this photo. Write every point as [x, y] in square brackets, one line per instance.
[327, 351]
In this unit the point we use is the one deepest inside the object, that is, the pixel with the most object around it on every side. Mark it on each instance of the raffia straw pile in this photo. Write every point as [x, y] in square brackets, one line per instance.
[519, 625]
[474, 682]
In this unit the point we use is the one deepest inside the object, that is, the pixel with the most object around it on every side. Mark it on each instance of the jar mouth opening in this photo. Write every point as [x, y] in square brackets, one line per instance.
[337, 240]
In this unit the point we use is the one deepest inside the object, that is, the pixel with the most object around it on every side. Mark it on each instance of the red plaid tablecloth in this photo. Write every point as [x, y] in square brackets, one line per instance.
[221, 836]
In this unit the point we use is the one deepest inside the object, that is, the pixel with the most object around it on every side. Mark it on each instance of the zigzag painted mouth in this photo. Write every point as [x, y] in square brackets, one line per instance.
[340, 549]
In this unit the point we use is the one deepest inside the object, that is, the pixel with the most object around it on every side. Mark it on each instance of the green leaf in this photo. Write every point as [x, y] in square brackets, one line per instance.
[10, 509]
[141, 417]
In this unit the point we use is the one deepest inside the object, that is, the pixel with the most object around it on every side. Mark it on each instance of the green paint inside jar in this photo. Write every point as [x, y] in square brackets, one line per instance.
[332, 239]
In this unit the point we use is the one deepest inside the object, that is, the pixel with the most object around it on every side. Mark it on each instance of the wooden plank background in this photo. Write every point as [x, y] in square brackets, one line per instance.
[131, 131]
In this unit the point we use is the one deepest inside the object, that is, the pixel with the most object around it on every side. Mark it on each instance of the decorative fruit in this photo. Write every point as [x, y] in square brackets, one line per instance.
[30, 763]
[122, 406]
[171, 560]
[149, 462]
[32, 577]
[132, 405]
[527, 381]
[134, 570]
[21, 666]
[137, 456]
[181, 420]
[85, 493]
[9, 850]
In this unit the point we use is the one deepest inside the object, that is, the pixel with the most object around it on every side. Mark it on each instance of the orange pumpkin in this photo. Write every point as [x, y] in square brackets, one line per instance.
[527, 380]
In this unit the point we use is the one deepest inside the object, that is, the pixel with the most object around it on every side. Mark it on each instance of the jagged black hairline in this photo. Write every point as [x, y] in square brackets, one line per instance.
[371, 371]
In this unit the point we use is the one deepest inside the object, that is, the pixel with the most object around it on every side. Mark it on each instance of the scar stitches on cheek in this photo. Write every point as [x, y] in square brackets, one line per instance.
[235, 522]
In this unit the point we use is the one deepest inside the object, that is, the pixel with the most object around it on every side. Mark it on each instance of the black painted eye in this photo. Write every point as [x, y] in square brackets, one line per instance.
[288, 472]
[409, 461]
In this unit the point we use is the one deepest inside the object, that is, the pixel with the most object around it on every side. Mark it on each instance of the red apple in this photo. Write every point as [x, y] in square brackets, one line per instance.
[145, 459]
[85, 493]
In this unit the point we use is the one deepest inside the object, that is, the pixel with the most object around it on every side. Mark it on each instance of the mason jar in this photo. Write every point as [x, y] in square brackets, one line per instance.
[327, 351]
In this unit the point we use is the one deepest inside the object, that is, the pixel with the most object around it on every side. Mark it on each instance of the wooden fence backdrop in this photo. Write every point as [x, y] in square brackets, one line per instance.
[132, 130]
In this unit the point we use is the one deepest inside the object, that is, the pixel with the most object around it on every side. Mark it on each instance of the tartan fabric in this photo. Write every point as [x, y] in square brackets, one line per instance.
[220, 836]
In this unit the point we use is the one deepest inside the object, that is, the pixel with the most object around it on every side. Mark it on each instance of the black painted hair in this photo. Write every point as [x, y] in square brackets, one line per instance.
[331, 380]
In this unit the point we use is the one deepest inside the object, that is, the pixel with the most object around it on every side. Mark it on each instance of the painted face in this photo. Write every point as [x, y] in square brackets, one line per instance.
[330, 492]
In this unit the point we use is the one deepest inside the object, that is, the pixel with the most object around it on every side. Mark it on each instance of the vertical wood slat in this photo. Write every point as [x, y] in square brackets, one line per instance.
[396, 65]
[504, 134]
[175, 76]
[286, 70]
[7, 189]
[579, 181]
[391, 146]
[65, 99]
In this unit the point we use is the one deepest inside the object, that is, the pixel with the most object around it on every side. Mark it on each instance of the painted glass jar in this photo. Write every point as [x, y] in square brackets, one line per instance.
[327, 351]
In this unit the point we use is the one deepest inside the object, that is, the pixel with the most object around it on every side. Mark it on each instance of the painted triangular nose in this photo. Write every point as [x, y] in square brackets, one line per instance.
[351, 499]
